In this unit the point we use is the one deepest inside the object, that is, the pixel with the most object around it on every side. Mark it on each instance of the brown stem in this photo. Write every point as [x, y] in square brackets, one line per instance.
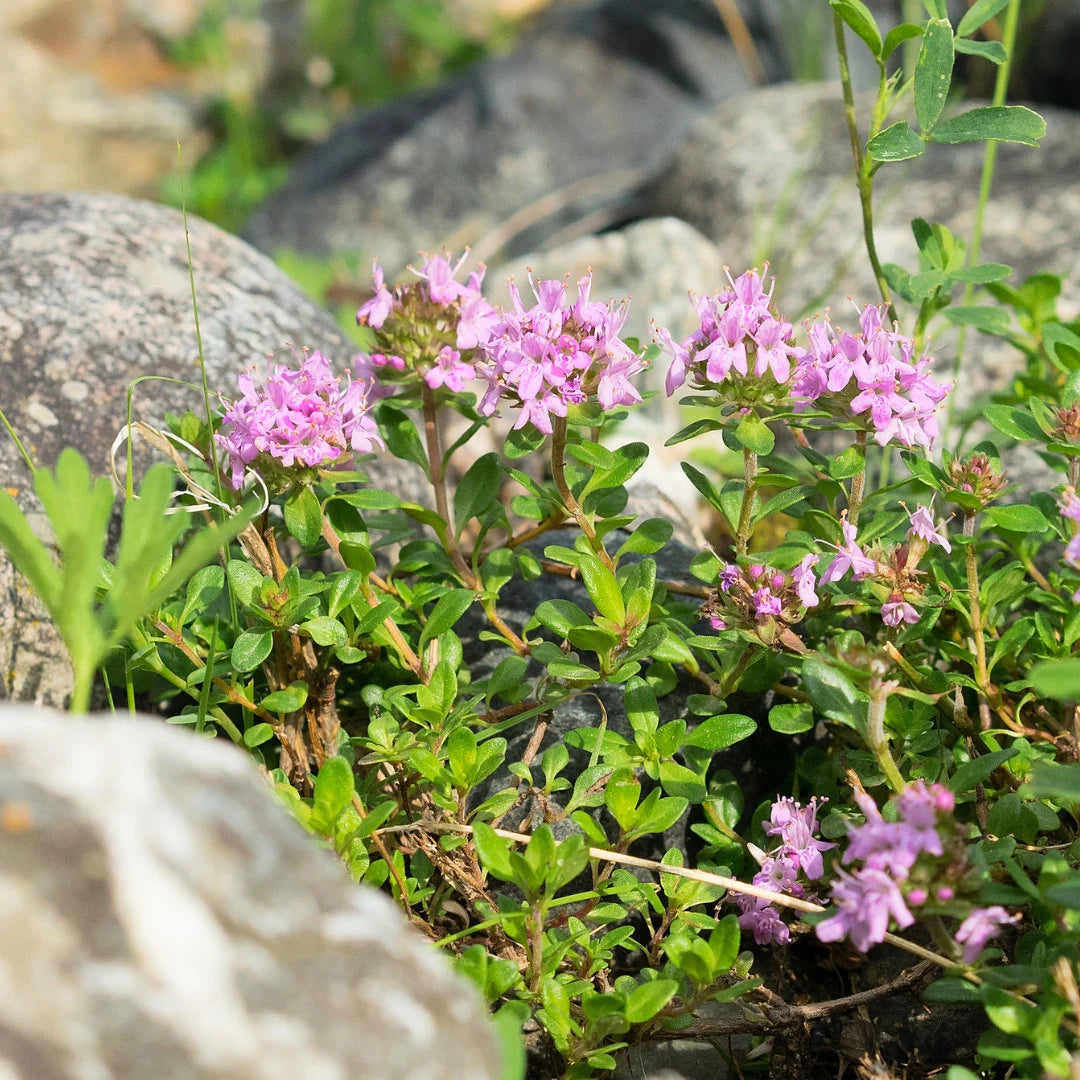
[391, 627]
[558, 466]
[742, 532]
[437, 476]
[523, 537]
[780, 1014]
[981, 675]
[858, 481]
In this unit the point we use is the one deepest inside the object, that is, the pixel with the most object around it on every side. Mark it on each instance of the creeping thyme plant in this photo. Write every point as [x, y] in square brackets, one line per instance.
[848, 725]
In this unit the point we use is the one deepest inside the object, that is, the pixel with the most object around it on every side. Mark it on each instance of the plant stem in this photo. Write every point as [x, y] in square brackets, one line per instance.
[391, 627]
[875, 731]
[437, 476]
[858, 481]
[84, 685]
[981, 676]
[558, 465]
[863, 175]
[986, 180]
[742, 532]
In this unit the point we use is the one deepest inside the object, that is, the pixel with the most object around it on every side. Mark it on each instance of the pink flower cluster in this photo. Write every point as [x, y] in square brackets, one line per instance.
[296, 418]
[798, 854]
[554, 354]
[738, 332]
[757, 594]
[897, 569]
[905, 864]
[876, 374]
[438, 299]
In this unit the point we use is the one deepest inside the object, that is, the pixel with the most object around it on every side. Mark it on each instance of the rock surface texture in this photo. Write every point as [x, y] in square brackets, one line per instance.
[172, 923]
[94, 293]
[579, 114]
[769, 175]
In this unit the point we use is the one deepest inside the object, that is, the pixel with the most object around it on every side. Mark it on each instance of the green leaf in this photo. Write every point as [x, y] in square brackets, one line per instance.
[1016, 423]
[30, 556]
[791, 719]
[333, 792]
[897, 36]
[602, 588]
[446, 612]
[980, 12]
[754, 433]
[993, 51]
[400, 435]
[647, 999]
[933, 73]
[1052, 781]
[1025, 519]
[369, 499]
[983, 274]
[303, 516]
[476, 490]
[493, 850]
[990, 320]
[704, 485]
[978, 769]
[720, 732]
[650, 536]
[325, 631]
[288, 700]
[1007, 123]
[570, 859]
[857, 15]
[345, 586]
[898, 142]
[561, 616]
[257, 734]
[1057, 679]
[679, 781]
[522, 442]
[832, 693]
[250, 649]
[626, 461]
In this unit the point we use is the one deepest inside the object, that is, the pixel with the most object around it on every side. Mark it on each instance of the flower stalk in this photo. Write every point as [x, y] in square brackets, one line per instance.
[858, 481]
[742, 532]
[573, 507]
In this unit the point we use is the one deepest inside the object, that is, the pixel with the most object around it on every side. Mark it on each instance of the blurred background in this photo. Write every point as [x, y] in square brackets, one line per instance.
[326, 131]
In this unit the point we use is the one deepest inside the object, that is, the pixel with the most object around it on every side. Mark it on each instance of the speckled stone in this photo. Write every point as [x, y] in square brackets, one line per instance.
[168, 921]
[94, 292]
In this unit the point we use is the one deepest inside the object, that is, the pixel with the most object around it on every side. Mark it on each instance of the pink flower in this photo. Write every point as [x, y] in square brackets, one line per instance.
[297, 419]
[803, 576]
[978, 928]
[449, 370]
[922, 525]
[849, 557]
[864, 903]
[733, 324]
[375, 311]
[895, 612]
[1069, 504]
[556, 354]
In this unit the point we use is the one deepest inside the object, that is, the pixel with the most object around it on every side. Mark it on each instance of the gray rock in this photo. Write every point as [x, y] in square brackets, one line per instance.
[776, 163]
[173, 924]
[579, 113]
[94, 293]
